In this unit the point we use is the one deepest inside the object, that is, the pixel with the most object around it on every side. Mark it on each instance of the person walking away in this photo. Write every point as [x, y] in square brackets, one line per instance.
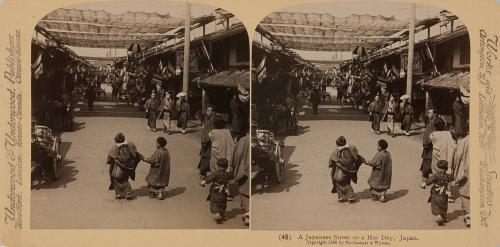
[218, 190]
[443, 145]
[345, 162]
[240, 171]
[439, 191]
[182, 109]
[151, 106]
[206, 144]
[381, 175]
[461, 173]
[235, 105]
[458, 117]
[315, 98]
[122, 158]
[374, 109]
[406, 112]
[159, 172]
[90, 95]
[426, 166]
[222, 143]
[166, 107]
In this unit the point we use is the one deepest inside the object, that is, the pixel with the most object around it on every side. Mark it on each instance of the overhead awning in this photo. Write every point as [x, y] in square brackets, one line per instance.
[325, 32]
[100, 29]
[452, 80]
[228, 79]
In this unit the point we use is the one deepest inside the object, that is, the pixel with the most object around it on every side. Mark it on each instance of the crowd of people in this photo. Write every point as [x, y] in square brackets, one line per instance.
[445, 166]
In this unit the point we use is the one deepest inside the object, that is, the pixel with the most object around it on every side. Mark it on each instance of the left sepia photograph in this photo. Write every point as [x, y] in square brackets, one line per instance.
[140, 114]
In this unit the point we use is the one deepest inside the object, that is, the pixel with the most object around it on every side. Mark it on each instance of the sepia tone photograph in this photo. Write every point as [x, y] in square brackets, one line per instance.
[360, 118]
[140, 114]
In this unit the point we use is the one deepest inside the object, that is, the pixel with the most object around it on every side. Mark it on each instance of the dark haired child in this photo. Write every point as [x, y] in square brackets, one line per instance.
[159, 172]
[218, 190]
[380, 178]
[439, 191]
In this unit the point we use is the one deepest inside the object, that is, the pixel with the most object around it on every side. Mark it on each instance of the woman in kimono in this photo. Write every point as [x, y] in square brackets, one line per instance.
[406, 112]
[183, 110]
[461, 173]
[380, 178]
[443, 145]
[218, 190]
[345, 162]
[159, 172]
[439, 191]
[425, 167]
[122, 159]
[222, 143]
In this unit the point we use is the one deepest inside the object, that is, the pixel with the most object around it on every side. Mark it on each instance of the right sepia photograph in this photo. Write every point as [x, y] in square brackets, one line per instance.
[360, 118]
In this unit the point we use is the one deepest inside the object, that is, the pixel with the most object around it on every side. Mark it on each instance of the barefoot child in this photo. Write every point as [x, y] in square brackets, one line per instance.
[439, 191]
[159, 173]
[218, 190]
[380, 178]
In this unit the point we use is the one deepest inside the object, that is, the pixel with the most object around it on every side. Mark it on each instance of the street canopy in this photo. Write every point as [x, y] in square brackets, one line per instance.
[100, 29]
[325, 32]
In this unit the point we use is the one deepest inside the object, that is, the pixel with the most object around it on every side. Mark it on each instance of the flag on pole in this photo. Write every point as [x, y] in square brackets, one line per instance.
[261, 70]
[37, 66]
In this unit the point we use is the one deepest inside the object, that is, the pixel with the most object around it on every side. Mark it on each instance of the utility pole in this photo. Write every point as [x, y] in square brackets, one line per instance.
[187, 44]
[411, 45]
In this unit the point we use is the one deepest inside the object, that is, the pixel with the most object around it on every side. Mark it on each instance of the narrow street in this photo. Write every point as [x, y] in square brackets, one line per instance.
[80, 199]
[303, 200]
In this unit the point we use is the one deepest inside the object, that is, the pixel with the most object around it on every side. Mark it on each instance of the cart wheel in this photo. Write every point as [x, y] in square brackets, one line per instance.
[56, 158]
[279, 163]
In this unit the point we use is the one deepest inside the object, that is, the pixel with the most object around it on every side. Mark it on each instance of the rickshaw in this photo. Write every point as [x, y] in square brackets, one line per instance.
[267, 158]
[46, 157]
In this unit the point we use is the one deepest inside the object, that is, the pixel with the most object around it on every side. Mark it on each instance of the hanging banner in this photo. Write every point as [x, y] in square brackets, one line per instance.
[193, 60]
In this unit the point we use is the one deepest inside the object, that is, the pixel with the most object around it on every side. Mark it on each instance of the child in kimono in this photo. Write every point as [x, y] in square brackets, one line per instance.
[218, 190]
[380, 178]
[439, 191]
[159, 172]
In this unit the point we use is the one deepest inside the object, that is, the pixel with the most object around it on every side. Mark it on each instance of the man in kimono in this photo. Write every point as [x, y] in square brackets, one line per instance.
[461, 173]
[380, 178]
[406, 112]
[425, 167]
[159, 173]
[458, 117]
[122, 159]
[374, 109]
[345, 162]
[315, 98]
[183, 110]
[206, 144]
[240, 173]
[236, 123]
[152, 106]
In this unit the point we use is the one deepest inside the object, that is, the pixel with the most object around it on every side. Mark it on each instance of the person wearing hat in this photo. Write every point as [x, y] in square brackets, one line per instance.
[122, 159]
[218, 190]
[439, 191]
[159, 172]
[344, 162]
